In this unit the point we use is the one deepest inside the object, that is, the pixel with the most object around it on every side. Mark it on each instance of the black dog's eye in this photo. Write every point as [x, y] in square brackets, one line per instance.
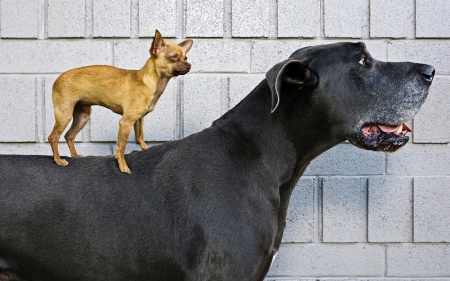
[365, 61]
[362, 61]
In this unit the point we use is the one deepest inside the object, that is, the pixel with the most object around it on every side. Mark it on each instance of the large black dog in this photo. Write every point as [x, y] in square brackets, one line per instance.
[211, 206]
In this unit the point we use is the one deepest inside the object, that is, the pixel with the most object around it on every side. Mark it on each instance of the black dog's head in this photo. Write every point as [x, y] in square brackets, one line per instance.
[359, 98]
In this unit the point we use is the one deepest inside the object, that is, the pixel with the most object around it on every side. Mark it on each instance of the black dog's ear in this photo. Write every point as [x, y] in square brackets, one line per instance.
[292, 72]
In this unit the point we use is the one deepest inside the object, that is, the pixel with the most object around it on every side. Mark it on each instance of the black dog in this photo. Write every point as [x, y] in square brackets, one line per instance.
[213, 205]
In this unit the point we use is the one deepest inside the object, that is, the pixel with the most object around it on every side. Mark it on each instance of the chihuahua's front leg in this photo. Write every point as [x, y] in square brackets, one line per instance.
[139, 133]
[125, 125]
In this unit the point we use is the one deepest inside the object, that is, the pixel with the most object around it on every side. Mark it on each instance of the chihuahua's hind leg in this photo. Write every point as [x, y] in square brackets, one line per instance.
[139, 133]
[62, 119]
[81, 115]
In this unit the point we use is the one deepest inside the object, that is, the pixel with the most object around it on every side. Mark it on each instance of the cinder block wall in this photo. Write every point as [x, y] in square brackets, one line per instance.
[355, 214]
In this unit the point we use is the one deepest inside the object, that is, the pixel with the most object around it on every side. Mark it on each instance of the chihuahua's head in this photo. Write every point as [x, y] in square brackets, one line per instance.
[170, 59]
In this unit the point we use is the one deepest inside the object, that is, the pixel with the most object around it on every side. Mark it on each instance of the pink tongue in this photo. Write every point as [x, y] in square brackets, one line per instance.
[388, 129]
[391, 129]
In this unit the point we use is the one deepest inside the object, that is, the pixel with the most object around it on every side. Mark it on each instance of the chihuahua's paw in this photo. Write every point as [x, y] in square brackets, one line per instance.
[125, 170]
[77, 156]
[143, 145]
[123, 167]
[62, 162]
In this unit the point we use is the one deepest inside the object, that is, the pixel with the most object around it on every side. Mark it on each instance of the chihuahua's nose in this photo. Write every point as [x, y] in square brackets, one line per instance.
[188, 65]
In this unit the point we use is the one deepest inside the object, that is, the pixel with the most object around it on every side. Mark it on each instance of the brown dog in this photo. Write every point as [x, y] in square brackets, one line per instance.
[131, 93]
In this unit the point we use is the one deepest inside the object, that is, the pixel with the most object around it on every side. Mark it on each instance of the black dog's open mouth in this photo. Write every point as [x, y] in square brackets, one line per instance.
[384, 138]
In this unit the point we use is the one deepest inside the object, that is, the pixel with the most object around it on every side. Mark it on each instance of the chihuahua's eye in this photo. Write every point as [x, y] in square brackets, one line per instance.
[185, 58]
[174, 56]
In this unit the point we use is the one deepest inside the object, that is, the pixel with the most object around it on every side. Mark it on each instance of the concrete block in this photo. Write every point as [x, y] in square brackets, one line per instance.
[346, 159]
[44, 149]
[359, 279]
[389, 18]
[19, 18]
[298, 18]
[390, 209]
[150, 18]
[90, 149]
[241, 86]
[105, 125]
[344, 210]
[300, 220]
[51, 56]
[204, 18]
[431, 123]
[418, 260]
[432, 19]
[132, 54]
[431, 209]
[429, 52]
[159, 124]
[220, 56]
[377, 49]
[343, 19]
[266, 54]
[250, 18]
[49, 115]
[17, 109]
[329, 260]
[287, 279]
[65, 18]
[111, 18]
[419, 160]
[201, 102]
[29, 148]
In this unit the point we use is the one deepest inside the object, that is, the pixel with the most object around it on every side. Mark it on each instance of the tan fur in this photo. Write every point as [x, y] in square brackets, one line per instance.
[131, 93]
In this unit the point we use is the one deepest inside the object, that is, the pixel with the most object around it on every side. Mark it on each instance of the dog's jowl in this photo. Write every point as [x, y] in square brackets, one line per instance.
[211, 206]
[131, 93]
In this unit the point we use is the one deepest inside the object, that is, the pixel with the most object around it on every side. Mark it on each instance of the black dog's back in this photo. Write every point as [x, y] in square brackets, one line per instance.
[152, 221]
[89, 206]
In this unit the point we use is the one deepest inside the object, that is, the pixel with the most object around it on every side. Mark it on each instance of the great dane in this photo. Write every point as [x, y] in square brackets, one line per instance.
[211, 206]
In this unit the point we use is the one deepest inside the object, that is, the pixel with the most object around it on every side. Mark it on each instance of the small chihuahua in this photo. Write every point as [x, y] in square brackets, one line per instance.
[131, 93]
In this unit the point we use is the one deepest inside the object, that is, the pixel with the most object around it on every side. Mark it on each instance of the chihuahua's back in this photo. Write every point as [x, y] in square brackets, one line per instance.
[102, 85]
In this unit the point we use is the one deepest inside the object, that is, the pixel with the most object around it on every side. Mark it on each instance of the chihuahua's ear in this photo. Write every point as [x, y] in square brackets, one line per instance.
[186, 45]
[291, 74]
[157, 44]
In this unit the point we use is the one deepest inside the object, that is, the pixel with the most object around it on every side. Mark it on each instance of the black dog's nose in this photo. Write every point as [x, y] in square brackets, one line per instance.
[428, 73]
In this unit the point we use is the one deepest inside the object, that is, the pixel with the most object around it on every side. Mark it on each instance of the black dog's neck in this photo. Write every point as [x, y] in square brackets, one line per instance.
[252, 126]
[288, 141]
[283, 142]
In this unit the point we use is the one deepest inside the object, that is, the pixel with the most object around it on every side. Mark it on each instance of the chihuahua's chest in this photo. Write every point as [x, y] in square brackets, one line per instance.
[157, 92]
[144, 97]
